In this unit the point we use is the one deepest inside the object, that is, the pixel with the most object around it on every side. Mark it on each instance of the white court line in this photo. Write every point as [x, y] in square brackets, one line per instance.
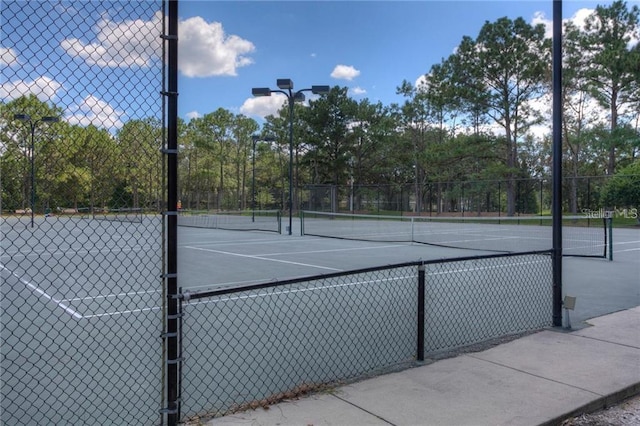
[105, 296]
[484, 268]
[616, 243]
[360, 282]
[132, 311]
[333, 250]
[621, 251]
[262, 258]
[41, 292]
[301, 290]
[245, 242]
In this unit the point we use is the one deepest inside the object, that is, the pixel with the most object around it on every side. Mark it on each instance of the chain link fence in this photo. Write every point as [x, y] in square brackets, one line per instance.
[81, 172]
[90, 322]
[460, 198]
[252, 346]
[474, 300]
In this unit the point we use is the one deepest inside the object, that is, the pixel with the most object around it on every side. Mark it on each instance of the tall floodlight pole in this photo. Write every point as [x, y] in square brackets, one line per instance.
[33, 124]
[557, 163]
[286, 87]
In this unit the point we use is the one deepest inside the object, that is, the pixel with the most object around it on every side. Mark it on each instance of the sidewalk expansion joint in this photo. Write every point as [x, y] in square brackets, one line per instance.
[366, 411]
[607, 341]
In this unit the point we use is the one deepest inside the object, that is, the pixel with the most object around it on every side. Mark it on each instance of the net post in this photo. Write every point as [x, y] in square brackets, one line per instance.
[609, 230]
[301, 222]
[421, 290]
[413, 237]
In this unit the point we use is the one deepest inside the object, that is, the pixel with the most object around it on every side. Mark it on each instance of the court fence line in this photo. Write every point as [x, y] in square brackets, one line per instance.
[250, 346]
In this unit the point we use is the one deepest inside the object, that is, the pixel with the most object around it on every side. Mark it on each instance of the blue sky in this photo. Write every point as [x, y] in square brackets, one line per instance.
[378, 44]
[228, 47]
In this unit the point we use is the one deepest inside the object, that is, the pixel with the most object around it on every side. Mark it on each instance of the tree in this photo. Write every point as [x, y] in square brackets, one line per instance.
[623, 189]
[416, 117]
[140, 142]
[15, 149]
[330, 139]
[613, 68]
[510, 60]
[578, 112]
[213, 139]
[242, 129]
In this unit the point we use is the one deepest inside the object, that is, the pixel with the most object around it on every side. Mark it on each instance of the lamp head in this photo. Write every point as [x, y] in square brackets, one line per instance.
[21, 117]
[261, 91]
[299, 97]
[320, 90]
[49, 119]
[285, 83]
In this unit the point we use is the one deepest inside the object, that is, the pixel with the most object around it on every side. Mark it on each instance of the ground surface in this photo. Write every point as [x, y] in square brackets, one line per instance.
[627, 413]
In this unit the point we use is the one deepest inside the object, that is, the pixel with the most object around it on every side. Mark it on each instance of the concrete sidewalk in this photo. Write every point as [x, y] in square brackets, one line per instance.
[542, 378]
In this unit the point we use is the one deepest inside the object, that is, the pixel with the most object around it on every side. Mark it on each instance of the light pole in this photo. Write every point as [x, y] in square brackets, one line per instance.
[255, 139]
[286, 86]
[33, 124]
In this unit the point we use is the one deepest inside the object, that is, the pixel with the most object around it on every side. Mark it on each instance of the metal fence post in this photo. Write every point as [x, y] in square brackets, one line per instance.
[420, 342]
[557, 163]
[172, 408]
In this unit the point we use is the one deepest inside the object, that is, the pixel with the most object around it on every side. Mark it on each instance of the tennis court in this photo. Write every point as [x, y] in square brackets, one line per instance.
[471, 300]
[213, 258]
[217, 258]
[89, 294]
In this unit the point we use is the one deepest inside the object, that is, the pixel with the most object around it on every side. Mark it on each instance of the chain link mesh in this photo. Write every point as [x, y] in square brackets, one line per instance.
[81, 244]
[248, 348]
[81, 174]
[251, 345]
[472, 301]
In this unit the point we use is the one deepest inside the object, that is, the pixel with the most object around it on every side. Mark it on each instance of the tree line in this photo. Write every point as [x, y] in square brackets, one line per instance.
[475, 116]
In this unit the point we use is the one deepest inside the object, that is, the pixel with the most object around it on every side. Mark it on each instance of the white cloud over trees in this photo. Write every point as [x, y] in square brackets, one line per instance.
[44, 88]
[119, 44]
[205, 49]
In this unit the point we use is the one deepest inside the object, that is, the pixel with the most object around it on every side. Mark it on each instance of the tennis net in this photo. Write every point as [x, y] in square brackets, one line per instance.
[242, 220]
[581, 235]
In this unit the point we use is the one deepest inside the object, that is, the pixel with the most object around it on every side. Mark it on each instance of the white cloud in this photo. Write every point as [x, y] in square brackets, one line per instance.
[580, 17]
[205, 49]
[44, 88]
[421, 83]
[577, 19]
[358, 91]
[97, 112]
[345, 72]
[539, 18]
[263, 106]
[193, 114]
[8, 57]
[119, 45]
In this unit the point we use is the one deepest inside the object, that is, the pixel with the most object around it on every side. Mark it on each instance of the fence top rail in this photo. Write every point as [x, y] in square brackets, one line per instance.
[187, 295]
